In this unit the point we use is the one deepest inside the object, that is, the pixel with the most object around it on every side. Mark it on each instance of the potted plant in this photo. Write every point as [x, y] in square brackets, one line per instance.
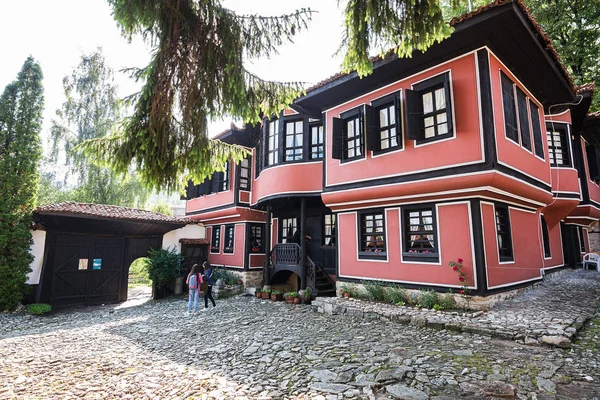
[266, 294]
[288, 297]
[307, 296]
[258, 292]
[276, 295]
[296, 298]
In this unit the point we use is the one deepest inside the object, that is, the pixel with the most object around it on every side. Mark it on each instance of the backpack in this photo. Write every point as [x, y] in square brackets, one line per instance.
[194, 281]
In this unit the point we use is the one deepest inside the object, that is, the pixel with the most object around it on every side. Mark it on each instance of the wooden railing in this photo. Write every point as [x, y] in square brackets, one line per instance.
[286, 254]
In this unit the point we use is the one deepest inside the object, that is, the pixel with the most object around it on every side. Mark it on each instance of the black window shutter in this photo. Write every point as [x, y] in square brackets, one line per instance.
[216, 182]
[201, 189]
[448, 102]
[537, 130]
[593, 160]
[508, 103]
[414, 115]
[372, 118]
[337, 149]
[281, 147]
[523, 119]
[188, 190]
[265, 144]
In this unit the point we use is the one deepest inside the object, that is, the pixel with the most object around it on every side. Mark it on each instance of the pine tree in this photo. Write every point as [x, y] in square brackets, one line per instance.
[197, 72]
[91, 111]
[21, 107]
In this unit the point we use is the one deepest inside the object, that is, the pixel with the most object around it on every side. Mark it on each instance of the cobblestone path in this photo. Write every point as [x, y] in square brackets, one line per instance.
[249, 349]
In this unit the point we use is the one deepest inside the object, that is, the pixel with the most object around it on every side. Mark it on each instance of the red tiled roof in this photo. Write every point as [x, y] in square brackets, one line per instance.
[109, 212]
[193, 241]
[587, 87]
[457, 20]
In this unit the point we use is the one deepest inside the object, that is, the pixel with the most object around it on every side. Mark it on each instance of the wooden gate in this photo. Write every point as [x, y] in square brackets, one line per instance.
[86, 269]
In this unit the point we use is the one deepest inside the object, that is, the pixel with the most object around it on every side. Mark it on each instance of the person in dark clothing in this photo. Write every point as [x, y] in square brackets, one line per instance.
[208, 275]
[296, 237]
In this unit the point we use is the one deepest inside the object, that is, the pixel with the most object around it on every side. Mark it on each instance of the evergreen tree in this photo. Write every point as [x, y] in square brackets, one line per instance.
[91, 111]
[197, 72]
[21, 107]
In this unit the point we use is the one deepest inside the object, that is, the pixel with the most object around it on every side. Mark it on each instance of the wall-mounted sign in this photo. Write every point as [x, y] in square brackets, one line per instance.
[97, 263]
[83, 263]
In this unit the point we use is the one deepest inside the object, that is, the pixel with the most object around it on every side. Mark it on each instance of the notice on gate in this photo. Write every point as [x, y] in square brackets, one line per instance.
[97, 263]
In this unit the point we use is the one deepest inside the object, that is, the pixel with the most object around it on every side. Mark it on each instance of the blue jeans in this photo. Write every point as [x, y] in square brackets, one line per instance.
[193, 299]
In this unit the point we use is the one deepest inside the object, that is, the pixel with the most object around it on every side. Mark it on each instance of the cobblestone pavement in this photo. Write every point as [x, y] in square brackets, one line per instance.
[247, 348]
[551, 313]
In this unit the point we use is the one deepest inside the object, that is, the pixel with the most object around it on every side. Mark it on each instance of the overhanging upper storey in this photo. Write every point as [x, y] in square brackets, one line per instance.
[506, 27]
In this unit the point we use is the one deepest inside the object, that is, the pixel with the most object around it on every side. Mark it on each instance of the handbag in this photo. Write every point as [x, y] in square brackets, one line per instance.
[204, 287]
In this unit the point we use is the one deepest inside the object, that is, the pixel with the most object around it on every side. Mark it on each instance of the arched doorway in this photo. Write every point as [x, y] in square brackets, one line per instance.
[138, 282]
[285, 281]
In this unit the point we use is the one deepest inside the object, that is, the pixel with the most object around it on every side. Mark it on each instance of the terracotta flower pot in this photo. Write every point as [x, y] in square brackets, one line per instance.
[289, 299]
[296, 300]
[347, 295]
[307, 301]
[265, 295]
[276, 297]
[258, 294]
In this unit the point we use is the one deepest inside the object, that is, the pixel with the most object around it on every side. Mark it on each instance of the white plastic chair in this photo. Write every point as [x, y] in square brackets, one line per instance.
[592, 259]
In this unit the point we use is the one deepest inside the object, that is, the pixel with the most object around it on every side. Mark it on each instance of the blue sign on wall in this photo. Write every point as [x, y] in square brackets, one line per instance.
[97, 263]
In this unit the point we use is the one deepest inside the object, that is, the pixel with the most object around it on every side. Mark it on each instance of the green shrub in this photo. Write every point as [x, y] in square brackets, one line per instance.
[447, 302]
[164, 266]
[428, 298]
[375, 290]
[39, 308]
[394, 294]
[307, 293]
[228, 277]
[350, 289]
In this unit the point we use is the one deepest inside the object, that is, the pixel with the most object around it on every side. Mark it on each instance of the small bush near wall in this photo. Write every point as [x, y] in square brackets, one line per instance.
[163, 267]
[39, 308]
[228, 277]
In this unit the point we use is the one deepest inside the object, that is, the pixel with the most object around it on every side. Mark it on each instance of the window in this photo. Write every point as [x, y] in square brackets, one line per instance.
[429, 110]
[537, 130]
[224, 179]
[545, 238]
[353, 139]
[523, 119]
[229, 231]
[256, 239]
[293, 140]
[245, 173]
[581, 239]
[288, 228]
[216, 239]
[372, 235]
[384, 128]
[510, 112]
[558, 145]
[316, 142]
[273, 143]
[330, 234]
[503, 234]
[257, 162]
[420, 242]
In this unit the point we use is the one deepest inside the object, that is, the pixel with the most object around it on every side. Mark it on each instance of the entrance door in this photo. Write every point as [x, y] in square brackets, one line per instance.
[104, 274]
[571, 245]
[315, 231]
[72, 255]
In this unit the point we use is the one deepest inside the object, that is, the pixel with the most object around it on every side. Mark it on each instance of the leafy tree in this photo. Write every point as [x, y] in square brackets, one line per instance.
[162, 208]
[197, 72]
[91, 111]
[21, 107]
[574, 27]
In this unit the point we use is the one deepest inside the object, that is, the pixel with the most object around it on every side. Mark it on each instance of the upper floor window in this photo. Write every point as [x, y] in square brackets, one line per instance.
[229, 242]
[503, 234]
[330, 233]
[508, 105]
[420, 234]
[245, 173]
[384, 127]
[372, 235]
[216, 239]
[224, 179]
[273, 143]
[523, 119]
[316, 142]
[353, 139]
[256, 238]
[558, 145]
[294, 134]
[288, 229]
[545, 238]
[536, 128]
[429, 110]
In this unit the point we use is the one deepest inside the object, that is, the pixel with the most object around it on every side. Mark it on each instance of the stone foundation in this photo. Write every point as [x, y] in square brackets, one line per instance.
[475, 303]
[250, 279]
[226, 291]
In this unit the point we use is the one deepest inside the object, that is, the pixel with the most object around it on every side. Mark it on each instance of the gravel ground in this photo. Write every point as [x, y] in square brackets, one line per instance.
[249, 349]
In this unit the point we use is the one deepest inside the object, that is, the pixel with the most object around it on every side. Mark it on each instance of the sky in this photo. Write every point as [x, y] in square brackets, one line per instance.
[56, 33]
